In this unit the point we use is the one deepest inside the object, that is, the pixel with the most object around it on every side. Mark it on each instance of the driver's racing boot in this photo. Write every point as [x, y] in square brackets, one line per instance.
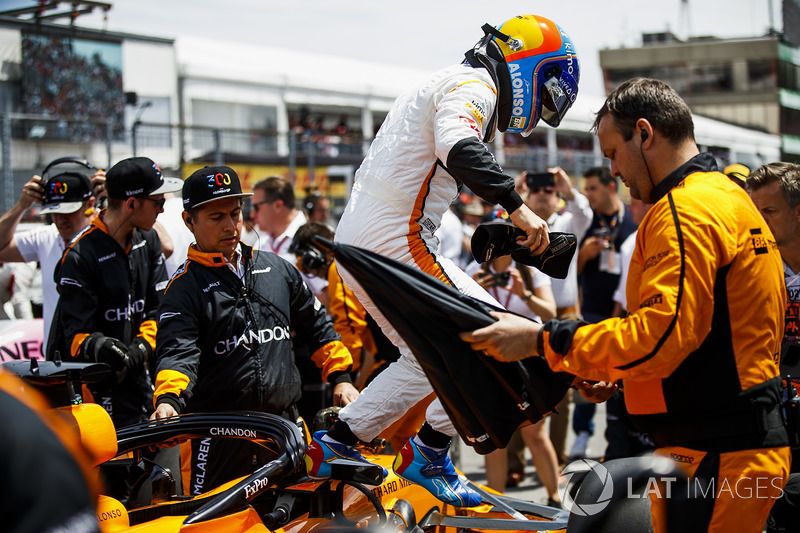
[435, 472]
[320, 453]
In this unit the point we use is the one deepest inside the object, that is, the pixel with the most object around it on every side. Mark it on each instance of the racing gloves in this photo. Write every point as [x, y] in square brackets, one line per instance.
[115, 353]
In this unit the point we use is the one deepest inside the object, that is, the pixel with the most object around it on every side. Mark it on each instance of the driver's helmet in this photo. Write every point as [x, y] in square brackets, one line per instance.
[536, 69]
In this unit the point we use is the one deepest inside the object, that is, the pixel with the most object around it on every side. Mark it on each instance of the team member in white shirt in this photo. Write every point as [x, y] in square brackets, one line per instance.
[67, 197]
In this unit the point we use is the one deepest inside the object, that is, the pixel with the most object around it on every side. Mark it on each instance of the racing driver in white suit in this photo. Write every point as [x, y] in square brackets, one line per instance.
[433, 139]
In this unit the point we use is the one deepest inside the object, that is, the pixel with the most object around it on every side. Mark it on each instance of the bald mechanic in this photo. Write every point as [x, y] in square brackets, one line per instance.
[698, 352]
[225, 330]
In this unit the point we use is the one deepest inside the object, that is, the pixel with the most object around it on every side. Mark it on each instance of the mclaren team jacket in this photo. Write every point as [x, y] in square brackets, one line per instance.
[103, 288]
[701, 343]
[226, 343]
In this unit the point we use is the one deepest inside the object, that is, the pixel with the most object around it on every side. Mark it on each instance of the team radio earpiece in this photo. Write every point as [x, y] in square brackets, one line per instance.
[644, 136]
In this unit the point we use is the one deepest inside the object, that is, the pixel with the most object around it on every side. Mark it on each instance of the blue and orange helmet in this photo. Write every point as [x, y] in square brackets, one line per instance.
[535, 67]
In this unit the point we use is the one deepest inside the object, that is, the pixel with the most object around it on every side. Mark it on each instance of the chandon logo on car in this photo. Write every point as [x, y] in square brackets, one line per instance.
[261, 336]
[233, 432]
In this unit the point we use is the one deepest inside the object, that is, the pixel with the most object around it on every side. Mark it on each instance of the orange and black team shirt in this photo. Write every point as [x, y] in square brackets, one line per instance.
[226, 342]
[707, 298]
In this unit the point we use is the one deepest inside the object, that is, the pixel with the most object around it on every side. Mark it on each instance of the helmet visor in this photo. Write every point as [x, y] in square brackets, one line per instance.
[555, 102]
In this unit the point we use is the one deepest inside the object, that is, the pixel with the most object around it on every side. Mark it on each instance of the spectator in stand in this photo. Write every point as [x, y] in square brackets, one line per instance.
[599, 268]
[67, 196]
[554, 198]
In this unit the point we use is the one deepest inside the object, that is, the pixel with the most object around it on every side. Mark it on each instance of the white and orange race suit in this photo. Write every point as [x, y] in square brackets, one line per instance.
[431, 141]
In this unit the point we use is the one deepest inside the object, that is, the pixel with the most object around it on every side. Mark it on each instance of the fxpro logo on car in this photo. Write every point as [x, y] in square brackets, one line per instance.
[262, 336]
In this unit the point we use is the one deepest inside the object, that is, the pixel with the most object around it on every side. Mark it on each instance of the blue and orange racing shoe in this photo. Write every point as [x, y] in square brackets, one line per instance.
[320, 453]
[435, 472]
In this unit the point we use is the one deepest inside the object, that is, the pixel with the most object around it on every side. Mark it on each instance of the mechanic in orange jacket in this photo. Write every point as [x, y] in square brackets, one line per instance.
[698, 352]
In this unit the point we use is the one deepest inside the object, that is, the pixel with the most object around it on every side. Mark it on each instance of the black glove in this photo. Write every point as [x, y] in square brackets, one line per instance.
[109, 350]
[140, 352]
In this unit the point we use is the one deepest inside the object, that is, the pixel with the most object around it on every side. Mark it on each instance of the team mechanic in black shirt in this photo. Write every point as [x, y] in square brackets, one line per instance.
[110, 279]
[225, 330]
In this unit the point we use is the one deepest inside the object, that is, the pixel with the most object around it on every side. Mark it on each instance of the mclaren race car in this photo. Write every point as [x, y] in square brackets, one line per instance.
[277, 496]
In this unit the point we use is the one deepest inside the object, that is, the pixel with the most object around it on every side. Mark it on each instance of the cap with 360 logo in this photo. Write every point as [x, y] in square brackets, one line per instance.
[137, 177]
[66, 192]
[209, 184]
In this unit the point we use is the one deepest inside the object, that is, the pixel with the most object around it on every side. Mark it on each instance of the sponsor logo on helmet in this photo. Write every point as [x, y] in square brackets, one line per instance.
[518, 93]
[517, 122]
[569, 49]
[262, 336]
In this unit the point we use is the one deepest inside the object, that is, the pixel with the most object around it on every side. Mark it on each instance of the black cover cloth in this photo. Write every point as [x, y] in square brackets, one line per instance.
[487, 400]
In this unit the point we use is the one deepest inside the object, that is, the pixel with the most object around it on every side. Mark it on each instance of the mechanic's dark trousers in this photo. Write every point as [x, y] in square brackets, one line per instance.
[731, 491]
[623, 439]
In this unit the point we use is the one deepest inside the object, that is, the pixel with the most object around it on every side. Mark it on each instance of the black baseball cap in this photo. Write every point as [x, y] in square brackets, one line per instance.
[66, 192]
[138, 177]
[209, 184]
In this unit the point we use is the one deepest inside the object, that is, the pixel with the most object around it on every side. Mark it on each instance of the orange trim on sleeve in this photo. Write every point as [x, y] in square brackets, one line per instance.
[147, 330]
[331, 357]
[170, 381]
[77, 341]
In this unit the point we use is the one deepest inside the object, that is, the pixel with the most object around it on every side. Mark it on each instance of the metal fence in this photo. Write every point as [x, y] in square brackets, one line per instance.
[38, 139]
